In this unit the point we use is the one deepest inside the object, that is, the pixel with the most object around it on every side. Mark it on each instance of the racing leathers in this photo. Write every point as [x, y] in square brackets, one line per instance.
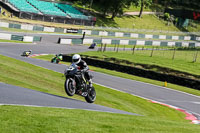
[85, 69]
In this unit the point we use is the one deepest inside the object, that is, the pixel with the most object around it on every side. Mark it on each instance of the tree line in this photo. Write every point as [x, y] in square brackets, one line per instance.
[116, 7]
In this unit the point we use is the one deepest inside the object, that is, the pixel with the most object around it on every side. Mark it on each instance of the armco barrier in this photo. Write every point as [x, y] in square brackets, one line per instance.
[6, 36]
[61, 30]
[16, 26]
[141, 36]
[191, 83]
[38, 28]
[129, 42]
[37, 39]
[27, 27]
[28, 39]
[17, 37]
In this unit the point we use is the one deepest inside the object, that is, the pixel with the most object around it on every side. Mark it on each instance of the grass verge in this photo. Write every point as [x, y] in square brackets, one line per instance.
[134, 22]
[14, 41]
[50, 120]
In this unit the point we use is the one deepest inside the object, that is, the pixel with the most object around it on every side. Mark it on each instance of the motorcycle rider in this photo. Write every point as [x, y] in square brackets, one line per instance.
[76, 59]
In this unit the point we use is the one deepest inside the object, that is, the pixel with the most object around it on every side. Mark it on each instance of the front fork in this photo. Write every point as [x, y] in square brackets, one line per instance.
[73, 81]
[84, 78]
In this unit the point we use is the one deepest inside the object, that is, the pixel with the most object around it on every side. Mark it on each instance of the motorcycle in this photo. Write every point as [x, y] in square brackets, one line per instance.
[76, 83]
[26, 53]
[56, 59]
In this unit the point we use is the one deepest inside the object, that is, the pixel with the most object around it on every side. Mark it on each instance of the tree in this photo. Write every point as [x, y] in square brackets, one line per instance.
[103, 6]
[142, 4]
[113, 7]
[117, 7]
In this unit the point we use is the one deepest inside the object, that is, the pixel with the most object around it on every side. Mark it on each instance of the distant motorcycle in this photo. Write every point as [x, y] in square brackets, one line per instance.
[56, 59]
[92, 46]
[26, 53]
[76, 83]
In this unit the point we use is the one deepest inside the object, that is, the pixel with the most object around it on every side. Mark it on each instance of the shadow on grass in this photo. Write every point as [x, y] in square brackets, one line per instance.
[106, 22]
[129, 16]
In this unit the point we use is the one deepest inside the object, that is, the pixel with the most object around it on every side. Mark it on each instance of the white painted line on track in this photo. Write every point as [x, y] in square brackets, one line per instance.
[196, 102]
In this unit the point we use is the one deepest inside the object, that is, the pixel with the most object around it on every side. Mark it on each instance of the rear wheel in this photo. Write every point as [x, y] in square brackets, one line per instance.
[91, 97]
[69, 87]
[53, 60]
[57, 61]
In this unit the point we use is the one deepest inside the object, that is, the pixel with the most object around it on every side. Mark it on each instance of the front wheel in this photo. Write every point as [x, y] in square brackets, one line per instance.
[91, 97]
[69, 87]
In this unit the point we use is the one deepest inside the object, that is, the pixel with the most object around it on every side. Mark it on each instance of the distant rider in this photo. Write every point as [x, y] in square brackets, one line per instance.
[76, 59]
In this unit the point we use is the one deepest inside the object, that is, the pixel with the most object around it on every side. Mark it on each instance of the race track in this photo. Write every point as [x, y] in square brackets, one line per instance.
[13, 95]
[182, 100]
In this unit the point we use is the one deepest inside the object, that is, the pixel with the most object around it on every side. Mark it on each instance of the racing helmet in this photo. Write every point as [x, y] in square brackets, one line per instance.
[76, 58]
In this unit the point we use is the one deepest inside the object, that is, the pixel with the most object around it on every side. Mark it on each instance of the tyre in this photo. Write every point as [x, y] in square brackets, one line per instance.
[52, 60]
[91, 97]
[69, 87]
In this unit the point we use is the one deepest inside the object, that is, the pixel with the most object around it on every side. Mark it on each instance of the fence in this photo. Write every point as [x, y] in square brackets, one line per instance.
[132, 42]
[192, 55]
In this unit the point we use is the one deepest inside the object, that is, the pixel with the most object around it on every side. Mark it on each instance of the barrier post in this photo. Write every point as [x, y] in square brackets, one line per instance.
[117, 48]
[152, 52]
[104, 49]
[114, 46]
[174, 54]
[165, 84]
[133, 49]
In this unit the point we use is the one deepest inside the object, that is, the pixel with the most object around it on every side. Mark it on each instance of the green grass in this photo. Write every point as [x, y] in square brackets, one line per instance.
[14, 41]
[157, 118]
[133, 8]
[132, 77]
[50, 120]
[152, 8]
[146, 22]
